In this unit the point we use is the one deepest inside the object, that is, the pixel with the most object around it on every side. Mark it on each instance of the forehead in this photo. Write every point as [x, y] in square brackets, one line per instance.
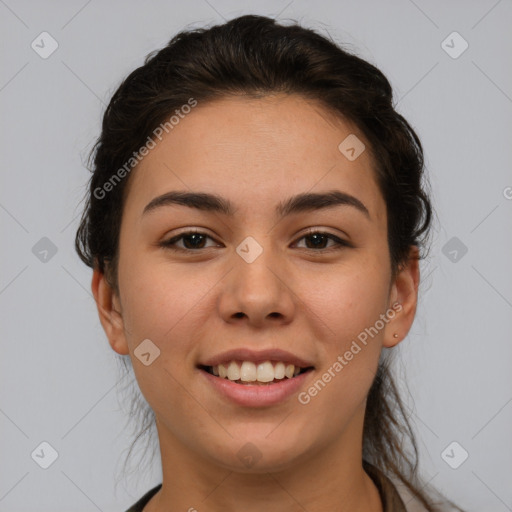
[255, 152]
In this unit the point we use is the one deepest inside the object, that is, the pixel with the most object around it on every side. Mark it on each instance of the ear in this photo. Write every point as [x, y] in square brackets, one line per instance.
[109, 310]
[404, 296]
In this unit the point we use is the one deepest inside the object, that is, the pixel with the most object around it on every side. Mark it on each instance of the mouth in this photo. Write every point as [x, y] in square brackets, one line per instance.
[249, 373]
[256, 379]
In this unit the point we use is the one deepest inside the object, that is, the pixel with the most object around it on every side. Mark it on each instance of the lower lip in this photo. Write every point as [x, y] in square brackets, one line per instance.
[257, 395]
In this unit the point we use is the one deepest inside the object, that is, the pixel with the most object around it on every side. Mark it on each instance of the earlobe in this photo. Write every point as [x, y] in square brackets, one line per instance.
[403, 300]
[109, 312]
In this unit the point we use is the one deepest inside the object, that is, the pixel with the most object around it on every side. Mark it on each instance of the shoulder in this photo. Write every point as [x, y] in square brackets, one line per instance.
[138, 507]
[413, 505]
[396, 497]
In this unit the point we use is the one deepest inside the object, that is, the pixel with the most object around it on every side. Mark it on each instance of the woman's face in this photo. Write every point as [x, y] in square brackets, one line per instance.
[256, 283]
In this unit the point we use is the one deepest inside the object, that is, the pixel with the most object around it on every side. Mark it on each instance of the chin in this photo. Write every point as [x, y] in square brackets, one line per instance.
[260, 452]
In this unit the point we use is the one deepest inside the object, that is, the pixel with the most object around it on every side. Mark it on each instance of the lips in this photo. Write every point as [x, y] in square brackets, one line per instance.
[255, 394]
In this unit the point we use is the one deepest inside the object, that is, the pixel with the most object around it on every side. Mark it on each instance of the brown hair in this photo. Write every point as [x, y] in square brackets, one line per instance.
[255, 56]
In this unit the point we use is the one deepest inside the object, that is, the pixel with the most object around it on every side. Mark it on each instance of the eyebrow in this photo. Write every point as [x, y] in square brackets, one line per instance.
[296, 204]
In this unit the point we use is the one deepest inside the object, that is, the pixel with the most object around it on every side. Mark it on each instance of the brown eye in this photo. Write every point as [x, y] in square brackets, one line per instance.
[192, 240]
[318, 239]
[195, 240]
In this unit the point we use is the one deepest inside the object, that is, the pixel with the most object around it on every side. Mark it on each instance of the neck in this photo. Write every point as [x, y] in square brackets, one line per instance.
[331, 478]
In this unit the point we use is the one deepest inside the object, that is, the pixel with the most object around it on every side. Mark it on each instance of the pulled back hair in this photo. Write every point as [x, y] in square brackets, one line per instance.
[253, 56]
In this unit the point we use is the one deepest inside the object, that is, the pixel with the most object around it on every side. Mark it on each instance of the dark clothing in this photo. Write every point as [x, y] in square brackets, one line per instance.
[139, 506]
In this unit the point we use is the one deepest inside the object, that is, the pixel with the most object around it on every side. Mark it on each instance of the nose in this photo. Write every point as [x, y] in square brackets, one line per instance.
[258, 292]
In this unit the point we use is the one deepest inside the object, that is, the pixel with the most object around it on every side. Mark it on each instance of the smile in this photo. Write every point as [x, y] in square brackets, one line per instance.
[248, 372]
[255, 378]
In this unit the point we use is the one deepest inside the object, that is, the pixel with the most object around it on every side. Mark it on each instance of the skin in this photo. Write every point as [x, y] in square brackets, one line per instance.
[310, 301]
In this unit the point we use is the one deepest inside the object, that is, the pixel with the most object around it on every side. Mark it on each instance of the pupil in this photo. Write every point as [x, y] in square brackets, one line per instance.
[195, 236]
[316, 237]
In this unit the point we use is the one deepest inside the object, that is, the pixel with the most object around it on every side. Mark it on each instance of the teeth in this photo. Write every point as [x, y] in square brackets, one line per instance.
[289, 370]
[249, 372]
[223, 373]
[233, 371]
[265, 372]
[279, 370]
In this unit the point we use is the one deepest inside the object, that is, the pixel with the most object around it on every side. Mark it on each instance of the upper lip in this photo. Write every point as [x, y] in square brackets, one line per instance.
[256, 356]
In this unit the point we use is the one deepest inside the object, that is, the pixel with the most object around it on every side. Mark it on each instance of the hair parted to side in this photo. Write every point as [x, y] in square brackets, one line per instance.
[254, 56]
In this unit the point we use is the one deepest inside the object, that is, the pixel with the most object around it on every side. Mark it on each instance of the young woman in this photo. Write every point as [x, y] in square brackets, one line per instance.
[255, 220]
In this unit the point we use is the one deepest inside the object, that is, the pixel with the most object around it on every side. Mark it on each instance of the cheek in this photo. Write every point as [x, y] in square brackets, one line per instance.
[160, 304]
[351, 357]
[352, 300]
[350, 307]
[165, 303]
[353, 305]
[153, 300]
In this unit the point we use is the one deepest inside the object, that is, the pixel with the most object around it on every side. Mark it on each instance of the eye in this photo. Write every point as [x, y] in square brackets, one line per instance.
[318, 238]
[192, 240]
[195, 240]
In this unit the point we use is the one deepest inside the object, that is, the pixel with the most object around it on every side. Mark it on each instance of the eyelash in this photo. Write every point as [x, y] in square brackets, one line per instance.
[169, 244]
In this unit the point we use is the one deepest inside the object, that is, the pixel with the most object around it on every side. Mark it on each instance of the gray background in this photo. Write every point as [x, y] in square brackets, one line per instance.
[58, 373]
